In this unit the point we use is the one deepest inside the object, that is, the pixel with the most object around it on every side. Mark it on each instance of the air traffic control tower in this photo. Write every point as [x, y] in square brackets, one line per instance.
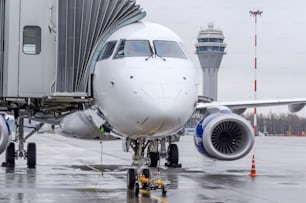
[210, 50]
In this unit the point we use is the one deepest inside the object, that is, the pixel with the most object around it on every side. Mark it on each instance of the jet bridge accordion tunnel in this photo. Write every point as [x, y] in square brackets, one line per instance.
[50, 46]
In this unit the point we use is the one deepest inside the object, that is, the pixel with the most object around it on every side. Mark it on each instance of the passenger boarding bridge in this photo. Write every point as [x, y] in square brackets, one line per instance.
[50, 48]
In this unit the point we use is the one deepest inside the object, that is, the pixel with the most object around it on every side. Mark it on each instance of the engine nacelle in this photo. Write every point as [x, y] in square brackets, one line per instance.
[293, 108]
[82, 124]
[4, 134]
[224, 136]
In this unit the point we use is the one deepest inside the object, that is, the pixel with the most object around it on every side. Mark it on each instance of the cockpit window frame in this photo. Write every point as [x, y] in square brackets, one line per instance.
[104, 56]
[180, 54]
[122, 45]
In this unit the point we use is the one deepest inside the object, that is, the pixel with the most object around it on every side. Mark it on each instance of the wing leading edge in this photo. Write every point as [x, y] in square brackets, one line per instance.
[294, 105]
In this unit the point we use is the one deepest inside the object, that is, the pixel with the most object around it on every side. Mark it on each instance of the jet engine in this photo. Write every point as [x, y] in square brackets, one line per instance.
[224, 136]
[4, 135]
[82, 124]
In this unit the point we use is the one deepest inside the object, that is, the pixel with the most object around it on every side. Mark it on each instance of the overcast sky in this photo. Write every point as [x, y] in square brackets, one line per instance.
[281, 37]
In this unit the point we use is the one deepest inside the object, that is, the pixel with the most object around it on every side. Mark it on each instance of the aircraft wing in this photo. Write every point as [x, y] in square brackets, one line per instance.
[294, 105]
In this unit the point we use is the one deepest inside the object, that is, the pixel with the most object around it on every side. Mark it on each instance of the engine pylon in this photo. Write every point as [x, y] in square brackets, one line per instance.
[253, 169]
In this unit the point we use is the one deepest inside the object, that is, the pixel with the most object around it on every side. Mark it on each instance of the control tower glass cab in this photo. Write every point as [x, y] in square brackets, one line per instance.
[210, 50]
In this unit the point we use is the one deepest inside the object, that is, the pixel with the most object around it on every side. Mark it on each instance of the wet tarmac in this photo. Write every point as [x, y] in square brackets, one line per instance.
[72, 170]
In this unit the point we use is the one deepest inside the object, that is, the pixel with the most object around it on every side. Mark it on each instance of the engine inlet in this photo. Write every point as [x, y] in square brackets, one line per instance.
[227, 137]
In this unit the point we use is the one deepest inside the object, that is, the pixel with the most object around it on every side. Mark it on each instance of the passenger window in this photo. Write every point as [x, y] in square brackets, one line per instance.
[107, 50]
[32, 40]
[168, 49]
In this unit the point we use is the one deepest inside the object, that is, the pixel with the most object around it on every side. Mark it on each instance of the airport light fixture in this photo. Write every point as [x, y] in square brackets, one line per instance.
[255, 14]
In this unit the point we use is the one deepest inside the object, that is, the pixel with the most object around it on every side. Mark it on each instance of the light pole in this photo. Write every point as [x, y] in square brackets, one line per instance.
[255, 14]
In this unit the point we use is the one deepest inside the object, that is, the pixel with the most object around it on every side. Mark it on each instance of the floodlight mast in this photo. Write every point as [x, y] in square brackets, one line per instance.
[255, 14]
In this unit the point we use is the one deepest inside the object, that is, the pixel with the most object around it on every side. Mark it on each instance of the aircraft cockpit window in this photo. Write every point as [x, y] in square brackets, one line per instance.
[168, 49]
[107, 50]
[134, 48]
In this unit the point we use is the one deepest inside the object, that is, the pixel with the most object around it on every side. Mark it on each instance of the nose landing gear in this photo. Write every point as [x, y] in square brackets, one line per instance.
[139, 178]
[145, 183]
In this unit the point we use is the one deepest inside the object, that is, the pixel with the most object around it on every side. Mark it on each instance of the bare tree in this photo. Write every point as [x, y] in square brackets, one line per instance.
[281, 123]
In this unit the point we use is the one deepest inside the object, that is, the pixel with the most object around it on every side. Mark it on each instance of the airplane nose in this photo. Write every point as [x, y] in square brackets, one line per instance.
[162, 95]
[166, 108]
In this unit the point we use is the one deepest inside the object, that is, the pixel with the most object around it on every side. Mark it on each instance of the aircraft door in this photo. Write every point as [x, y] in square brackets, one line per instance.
[37, 49]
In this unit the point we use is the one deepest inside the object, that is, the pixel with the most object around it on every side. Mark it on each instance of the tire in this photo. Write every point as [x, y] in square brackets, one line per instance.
[146, 172]
[10, 155]
[31, 155]
[136, 189]
[131, 178]
[173, 154]
[164, 191]
[154, 157]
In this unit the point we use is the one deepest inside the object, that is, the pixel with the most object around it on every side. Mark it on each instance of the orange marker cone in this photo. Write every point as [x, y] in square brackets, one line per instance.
[253, 170]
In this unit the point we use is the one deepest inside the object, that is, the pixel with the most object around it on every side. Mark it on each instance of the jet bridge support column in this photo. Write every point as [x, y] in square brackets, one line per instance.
[20, 137]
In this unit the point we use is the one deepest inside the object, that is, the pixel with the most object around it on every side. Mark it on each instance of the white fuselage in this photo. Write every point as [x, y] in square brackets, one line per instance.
[145, 95]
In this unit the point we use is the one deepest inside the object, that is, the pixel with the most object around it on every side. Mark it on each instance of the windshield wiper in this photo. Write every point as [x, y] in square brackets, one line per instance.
[152, 54]
[160, 57]
[149, 56]
[157, 54]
